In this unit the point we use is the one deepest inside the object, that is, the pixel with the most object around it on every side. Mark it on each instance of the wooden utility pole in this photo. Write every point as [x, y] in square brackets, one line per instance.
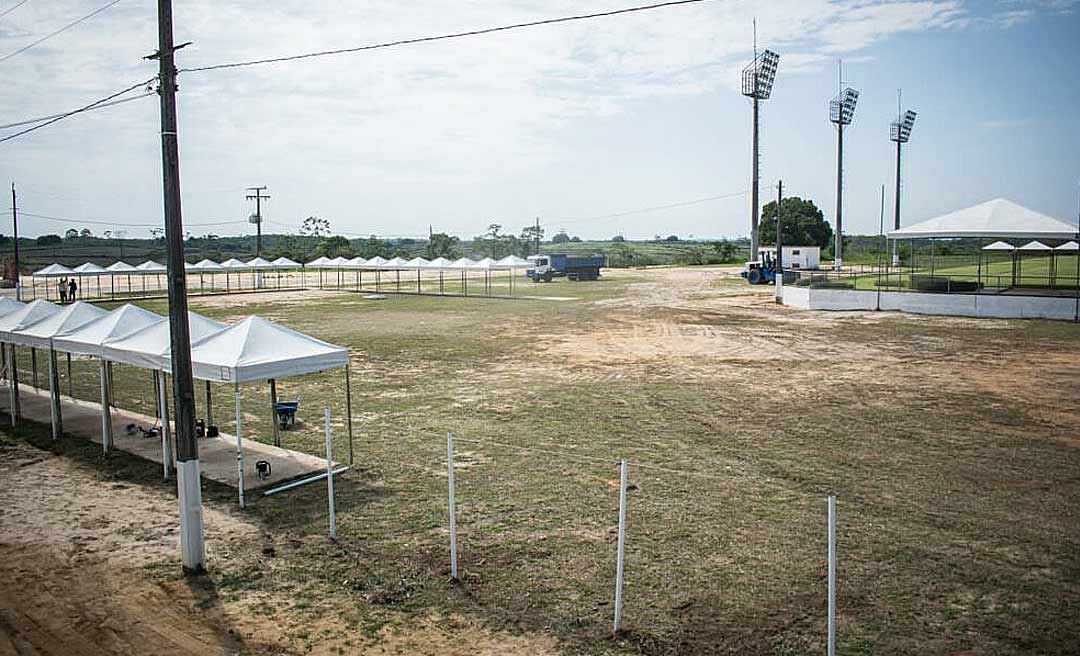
[258, 197]
[192, 544]
[15, 232]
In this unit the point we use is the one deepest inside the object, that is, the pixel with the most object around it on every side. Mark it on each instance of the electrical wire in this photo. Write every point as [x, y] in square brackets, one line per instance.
[650, 209]
[13, 8]
[59, 31]
[441, 37]
[101, 106]
[85, 108]
[116, 224]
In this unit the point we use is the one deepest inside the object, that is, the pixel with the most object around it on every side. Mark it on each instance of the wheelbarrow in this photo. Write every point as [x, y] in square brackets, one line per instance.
[286, 412]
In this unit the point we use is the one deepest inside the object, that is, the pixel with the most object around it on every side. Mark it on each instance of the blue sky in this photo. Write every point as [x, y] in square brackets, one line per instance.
[568, 123]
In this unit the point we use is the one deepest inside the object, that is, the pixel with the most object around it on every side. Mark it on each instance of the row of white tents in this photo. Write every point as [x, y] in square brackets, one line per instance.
[254, 349]
[1034, 246]
[285, 264]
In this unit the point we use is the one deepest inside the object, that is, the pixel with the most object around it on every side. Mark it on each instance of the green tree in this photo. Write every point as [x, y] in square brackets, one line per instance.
[726, 251]
[336, 246]
[560, 238]
[71, 233]
[375, 247]
[315, 226]
[443, 245]
[618, 238]
[48, 240]
[672, 238]
[803, 224]
[530, 236]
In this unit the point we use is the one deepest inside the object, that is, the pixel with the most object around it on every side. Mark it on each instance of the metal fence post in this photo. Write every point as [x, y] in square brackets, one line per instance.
[452, 504]
[330, 474]
[832, 575]
[621, 550]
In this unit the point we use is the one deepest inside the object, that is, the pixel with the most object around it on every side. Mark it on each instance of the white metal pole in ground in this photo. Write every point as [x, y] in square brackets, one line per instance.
[452, 504]
[239, 448]
[832, 575]
[330, 474]
[54, 397]
[106, 417]
[621, 550]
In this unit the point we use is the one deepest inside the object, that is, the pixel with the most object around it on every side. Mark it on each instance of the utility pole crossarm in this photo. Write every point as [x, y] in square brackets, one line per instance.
[258, 197]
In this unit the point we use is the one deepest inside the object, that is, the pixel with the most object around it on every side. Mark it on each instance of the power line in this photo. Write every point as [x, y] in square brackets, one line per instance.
[116, 224]
[11, 9]
[62, 29]
[101, 106]
[442, 37]
[85, 108]
[652, 209]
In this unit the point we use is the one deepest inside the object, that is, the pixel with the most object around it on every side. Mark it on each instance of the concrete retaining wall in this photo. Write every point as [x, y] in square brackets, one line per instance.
[962, 305]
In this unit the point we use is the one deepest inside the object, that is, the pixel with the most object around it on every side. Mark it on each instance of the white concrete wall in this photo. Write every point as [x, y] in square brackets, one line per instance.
[963, 305]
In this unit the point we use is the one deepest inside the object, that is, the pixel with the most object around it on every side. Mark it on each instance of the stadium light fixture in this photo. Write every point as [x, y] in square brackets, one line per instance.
[757, 84]
[900, 133]
[841, 113]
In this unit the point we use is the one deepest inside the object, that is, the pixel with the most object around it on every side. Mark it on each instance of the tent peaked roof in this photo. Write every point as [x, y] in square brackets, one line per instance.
[9, 305]
[26, 316]
[120, 267]
[318, 262]
[514, 261]
[68, 318]
[376, 261]
[206, 265]
[1035, 246]
[997, 218]
[438, 263]
[1068, 246]
[416, 263]
[355, 262]
[54, 270]
[87, 339]
[463, 263]
[89, 269]
[233, 263]
[259, 263]
[257, 349]
[999, 246]
[150, 266]
[285, 263]
[151, 347]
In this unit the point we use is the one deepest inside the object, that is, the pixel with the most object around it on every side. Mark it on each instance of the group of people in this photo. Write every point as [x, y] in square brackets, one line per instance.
[69, 291]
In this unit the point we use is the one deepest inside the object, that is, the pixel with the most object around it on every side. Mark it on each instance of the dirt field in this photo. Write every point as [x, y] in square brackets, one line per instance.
[952, 445]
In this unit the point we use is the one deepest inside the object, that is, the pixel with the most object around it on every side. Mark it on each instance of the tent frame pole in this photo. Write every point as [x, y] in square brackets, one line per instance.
[239, 446]
[166, 432]
[54, 396]
[273, 413]
[209, 406]
[106, 415]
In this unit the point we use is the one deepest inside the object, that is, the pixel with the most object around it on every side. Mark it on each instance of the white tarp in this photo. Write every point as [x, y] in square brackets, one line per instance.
[374, 263]
[462, 263]
[87, 339]
[437, 263]
[394, 263]
[1035, 246]
[9, 305]
[120, 267]
[204, 266]
[416, 263]
[257, 349]
[89, 269]
[151, 347]
[999, 246]
[995, 219]
[234, 264]
[513, 262]
[285, 263]
[151, 266]
[70, 317]
[355, 263]
[26, 316]
[1068, 246]
[318, 263]
[54, 270]
[259, 264]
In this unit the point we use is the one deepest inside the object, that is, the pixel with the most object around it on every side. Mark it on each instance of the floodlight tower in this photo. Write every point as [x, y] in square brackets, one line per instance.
[841, 112]
[900, 132]
[757, 83]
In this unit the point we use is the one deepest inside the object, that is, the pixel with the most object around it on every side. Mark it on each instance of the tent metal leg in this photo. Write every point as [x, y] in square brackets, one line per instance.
[166, 431]
[209, 406]
[33, 367]
[273, 413]
[348, 411]
[14, 386]
[239, 447]
[70, 381]
[54, 397]
[106, 416]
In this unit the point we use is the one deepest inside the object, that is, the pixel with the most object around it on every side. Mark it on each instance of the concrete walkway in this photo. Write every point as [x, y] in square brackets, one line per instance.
[216, 454]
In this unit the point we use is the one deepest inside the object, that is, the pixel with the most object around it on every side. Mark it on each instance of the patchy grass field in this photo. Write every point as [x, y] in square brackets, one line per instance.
[951, 444]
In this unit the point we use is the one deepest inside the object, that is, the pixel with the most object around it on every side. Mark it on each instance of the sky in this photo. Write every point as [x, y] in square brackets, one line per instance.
[580, 124]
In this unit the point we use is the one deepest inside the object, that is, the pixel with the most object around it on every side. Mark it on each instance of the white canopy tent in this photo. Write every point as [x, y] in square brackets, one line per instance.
[120, 268]
[27, 315]
[256, 349]
[285, 263]
[151, 267]
[9, 305]
[39, 334]
[999, 246]
[995, 219]
[53, 270]
[87, 340]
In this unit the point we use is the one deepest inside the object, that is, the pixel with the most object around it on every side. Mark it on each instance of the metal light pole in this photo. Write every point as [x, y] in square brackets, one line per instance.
[15, 240]
[841, 113]
[899, 132]
[757, 84]
[192, 544]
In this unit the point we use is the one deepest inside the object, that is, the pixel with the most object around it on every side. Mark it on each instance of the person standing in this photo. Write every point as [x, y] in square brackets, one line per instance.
[63, 290]
[72, 290]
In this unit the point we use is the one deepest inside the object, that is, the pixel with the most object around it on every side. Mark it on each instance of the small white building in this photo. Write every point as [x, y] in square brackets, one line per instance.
[798, 257]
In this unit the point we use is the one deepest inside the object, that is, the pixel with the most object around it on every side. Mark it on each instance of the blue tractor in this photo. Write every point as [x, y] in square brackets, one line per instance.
[763, 271]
